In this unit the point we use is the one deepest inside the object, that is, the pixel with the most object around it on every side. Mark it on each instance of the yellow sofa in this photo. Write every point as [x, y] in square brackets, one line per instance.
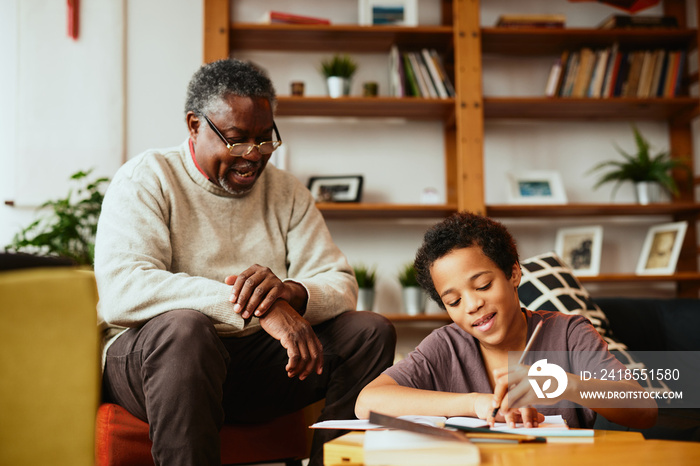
[49, 366]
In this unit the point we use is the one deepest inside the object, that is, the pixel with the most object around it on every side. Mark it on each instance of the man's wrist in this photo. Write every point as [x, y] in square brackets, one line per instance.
[296, 296]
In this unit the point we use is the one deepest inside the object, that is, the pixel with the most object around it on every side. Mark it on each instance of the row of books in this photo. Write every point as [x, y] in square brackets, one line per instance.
[418, 74]
[610, 72]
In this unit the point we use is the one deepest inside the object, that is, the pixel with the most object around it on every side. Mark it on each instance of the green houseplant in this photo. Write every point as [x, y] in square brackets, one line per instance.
[68, 230]
[411, 292]
[366, 279]
[641, 168]
[338, 71]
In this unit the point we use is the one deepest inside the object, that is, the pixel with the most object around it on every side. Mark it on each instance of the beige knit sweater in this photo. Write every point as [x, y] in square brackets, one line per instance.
[167, 238]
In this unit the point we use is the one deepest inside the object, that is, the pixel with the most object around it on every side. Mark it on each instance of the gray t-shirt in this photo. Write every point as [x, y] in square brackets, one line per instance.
[449, 359]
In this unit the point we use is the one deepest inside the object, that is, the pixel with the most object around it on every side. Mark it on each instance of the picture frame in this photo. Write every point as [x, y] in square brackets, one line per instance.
[536, 187]
[388, 12]
[661, 249]
[346, 188]
[581, 249]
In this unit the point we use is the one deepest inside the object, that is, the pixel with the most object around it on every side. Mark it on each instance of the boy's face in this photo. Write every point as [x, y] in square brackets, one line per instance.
[478, 296]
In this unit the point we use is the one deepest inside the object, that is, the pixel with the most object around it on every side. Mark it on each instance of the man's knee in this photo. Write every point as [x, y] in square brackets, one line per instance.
[188, 335]
[369, 329]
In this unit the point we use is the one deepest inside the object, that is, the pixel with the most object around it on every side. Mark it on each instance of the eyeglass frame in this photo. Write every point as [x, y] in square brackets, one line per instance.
[230, 146]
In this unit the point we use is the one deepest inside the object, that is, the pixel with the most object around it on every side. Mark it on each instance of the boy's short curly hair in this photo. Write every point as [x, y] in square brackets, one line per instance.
[214, 81]
[463, 230]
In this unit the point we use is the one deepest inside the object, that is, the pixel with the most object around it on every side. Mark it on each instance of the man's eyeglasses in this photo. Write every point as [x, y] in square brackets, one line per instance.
[241, 149]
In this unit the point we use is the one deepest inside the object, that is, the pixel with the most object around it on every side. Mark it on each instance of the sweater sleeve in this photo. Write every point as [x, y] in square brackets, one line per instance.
[133, 255]
[317, 263]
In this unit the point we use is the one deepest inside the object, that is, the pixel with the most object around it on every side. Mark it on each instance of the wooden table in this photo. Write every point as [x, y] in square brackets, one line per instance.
[608, 447]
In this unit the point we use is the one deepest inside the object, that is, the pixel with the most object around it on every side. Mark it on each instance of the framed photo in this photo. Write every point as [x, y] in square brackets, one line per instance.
[661, 249]
[336, 188]
[536, 187]
[581, 249]
[388, 12]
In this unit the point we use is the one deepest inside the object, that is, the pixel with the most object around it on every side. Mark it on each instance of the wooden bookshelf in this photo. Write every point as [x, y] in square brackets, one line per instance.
[463, 42]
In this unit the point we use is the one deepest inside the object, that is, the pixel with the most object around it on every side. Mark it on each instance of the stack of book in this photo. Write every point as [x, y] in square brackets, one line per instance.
[610, 72]
[531, 21]
[635, 22]
[418, 74]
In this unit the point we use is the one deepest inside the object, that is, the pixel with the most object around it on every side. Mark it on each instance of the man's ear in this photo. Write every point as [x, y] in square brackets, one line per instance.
[193, 125]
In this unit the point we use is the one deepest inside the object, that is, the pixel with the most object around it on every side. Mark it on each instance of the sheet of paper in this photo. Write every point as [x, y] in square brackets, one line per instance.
[348, 424]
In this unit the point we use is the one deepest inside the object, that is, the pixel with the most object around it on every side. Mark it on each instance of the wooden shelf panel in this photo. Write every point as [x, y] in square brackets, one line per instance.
[355, 210]
[413, 108]
[337, 38]
[622, 278]
[533, 41]
[616, 108]
[594, 210]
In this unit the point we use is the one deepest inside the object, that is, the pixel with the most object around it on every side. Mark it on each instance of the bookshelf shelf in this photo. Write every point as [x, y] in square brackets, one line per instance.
[608, 109]
[413, 108]
[336, 38]
[532, 41]
[435, 318]
[352, 210]
[593, 210]
[632, 278]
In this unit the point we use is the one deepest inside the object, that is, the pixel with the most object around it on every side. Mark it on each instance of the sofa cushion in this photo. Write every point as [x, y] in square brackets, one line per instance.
[549, 284]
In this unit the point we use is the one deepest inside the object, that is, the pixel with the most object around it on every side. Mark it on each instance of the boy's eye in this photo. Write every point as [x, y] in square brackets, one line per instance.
[453, 303]
[485, 287]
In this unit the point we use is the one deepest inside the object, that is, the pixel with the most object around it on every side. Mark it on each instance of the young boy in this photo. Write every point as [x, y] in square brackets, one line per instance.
[469, 265]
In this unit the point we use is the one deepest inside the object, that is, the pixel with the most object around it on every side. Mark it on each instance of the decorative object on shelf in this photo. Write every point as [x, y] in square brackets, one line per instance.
[366, 279]
[429, 196]
[642, 168]
[69, 230]
[297, 88]
[661, 249]
[370, 89]
[536, 187]
[633, 22]
[336, 188]
[411, 293]
[280, 17]
[388, 12]
[532, 21]
[631, 6]
[338, 72]
[581, 249]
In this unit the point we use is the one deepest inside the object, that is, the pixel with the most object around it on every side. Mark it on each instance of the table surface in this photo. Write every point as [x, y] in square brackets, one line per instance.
[608, 447]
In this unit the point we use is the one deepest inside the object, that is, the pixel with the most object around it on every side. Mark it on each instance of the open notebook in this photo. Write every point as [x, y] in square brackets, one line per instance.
[553, 426]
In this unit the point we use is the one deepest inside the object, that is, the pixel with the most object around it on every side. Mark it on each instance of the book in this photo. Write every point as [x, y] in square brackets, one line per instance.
[583, 73]
[403, 448]
[426, 89]
[443, 73]
[555, 74]
[570, 76]
[396, 86]
[532, 21]
[627, 21]
[434, 74]
[279, 17]
[611, 71]
[595, 87]
[412, 88]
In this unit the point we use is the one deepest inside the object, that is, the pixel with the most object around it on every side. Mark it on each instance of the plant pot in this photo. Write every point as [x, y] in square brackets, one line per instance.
[648, 192]
[365, 299]
[413, 300]
[337, 86]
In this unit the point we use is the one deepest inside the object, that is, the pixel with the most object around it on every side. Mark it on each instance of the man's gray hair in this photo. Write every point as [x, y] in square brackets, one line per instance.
[216, 80]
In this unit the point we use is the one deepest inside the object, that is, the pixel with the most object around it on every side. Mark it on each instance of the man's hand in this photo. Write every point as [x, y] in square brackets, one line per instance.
[257, 288]
[295, 334]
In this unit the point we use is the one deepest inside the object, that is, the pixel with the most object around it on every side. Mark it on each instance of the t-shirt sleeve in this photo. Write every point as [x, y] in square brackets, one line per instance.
[420, 368]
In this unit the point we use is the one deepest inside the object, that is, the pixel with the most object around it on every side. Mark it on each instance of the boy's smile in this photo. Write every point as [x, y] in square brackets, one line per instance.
[479, 298]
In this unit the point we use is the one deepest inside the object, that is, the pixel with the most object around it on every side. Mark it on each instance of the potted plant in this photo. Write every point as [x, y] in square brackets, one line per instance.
[338, 72]
[411, 292]
[69, 229]
[366, 279]
[649, 173]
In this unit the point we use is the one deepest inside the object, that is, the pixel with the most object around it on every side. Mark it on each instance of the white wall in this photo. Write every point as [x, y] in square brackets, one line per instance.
[161, 45]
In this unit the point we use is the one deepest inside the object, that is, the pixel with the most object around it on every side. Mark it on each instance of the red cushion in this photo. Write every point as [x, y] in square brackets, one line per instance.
[122, 439]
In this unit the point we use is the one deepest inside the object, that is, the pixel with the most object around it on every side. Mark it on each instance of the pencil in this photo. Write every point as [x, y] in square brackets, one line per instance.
[522, 356]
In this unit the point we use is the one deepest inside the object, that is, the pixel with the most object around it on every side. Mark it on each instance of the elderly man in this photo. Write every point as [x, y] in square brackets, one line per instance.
[223, 297]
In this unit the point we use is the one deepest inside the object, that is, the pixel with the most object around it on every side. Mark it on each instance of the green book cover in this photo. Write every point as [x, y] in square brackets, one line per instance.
[410, 76]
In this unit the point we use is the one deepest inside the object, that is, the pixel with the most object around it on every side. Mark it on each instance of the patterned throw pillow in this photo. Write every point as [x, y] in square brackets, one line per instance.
[548, 284]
